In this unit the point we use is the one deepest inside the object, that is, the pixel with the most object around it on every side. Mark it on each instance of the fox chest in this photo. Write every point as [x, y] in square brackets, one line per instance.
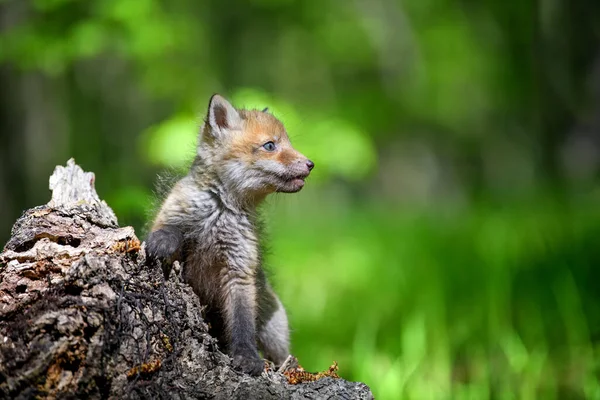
[228, 242]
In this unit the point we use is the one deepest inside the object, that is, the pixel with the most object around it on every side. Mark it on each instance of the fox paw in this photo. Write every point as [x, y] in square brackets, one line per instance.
[164, 245]
[251, 366]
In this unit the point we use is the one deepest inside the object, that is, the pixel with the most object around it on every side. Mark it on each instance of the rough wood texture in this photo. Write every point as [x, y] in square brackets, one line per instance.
[83, 316]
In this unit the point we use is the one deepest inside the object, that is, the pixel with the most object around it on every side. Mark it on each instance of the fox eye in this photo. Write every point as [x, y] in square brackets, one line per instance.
[269, 146]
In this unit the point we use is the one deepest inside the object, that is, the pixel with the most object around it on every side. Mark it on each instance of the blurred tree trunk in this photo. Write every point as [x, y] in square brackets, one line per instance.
[11, 176]
[565, 42]
[33, 133]
[12, 193]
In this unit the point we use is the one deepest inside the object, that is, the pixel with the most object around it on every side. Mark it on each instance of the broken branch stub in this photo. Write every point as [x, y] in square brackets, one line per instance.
[72, 188]
[83, 316]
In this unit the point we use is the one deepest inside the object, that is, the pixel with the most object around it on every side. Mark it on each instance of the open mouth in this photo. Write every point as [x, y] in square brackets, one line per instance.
[294, 183]
[297, 179]
[297, 182]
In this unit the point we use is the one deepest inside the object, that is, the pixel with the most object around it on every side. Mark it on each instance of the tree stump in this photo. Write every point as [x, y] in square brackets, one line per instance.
[83, 316]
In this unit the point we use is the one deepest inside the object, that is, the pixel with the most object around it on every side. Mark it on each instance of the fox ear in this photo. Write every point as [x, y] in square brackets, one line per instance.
[222, 115]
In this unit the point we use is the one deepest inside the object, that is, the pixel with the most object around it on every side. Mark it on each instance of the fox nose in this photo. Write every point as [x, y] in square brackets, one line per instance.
[310, 165]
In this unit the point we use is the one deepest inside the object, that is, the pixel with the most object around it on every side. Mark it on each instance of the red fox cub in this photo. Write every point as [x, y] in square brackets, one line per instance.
[209, 221]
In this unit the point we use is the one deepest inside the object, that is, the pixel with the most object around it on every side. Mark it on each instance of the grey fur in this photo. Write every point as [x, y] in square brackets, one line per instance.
[215, 209]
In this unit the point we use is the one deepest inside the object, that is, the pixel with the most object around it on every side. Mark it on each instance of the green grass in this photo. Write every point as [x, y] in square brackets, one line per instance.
[480, 303]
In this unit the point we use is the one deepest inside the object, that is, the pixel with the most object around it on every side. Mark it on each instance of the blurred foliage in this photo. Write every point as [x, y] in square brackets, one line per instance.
[444, 246]
[486, 303]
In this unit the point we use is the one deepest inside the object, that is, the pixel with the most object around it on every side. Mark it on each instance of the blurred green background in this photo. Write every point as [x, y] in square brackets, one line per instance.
[448, 241]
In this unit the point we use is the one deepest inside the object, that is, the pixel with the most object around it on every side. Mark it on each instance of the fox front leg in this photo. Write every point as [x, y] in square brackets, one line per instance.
[165, 245]
[240, 324]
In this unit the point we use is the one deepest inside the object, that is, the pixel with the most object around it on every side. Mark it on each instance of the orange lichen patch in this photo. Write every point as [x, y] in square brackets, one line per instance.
[144, 370]
[299, 375]
[127, 246]
[39, 270]
[64, 371]
[167, 343]
[53, 377]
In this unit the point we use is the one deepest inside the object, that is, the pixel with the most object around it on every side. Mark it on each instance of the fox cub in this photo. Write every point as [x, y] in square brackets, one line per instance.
[209, 221]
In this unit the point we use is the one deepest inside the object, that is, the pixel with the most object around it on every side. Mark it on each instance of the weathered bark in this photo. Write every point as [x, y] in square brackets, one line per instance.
[83, 316]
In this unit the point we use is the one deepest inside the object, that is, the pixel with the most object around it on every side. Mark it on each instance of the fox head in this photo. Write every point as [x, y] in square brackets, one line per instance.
[250, 151]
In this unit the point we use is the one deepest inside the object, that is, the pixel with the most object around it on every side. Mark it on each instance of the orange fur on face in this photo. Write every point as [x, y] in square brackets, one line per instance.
[258, 129]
